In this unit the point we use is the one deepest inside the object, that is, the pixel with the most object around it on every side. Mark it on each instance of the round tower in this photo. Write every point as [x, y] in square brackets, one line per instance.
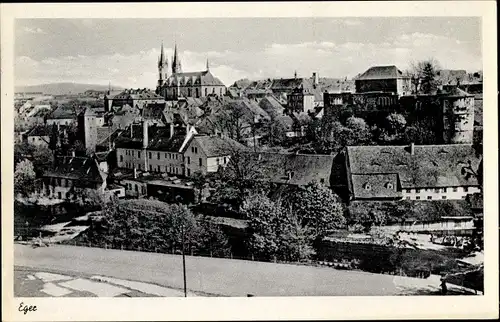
[458, 117]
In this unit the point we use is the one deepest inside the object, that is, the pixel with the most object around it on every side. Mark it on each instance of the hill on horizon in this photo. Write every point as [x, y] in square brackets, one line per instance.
[63, 88]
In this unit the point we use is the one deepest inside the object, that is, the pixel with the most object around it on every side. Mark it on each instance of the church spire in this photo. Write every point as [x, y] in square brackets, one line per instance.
[161, 61]
[176, 62]
[208, 66]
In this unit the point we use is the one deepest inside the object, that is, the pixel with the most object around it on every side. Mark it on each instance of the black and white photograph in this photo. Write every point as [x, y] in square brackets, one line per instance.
[248, 157]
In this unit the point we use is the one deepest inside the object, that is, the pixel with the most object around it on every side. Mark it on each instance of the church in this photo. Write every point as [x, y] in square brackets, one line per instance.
[181, 85]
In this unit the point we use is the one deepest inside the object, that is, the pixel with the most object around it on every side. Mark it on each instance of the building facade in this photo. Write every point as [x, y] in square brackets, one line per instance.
[182, 85]
[458, 116]
[388, 79]
[300, 100]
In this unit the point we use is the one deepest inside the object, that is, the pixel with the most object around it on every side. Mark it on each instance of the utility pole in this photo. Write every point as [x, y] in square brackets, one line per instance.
[184, 261]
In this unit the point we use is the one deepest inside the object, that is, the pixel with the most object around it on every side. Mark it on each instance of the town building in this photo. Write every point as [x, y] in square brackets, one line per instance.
[300, 100]
[206, 153]
[136, 98]
[62, 116]
[71, 177]
[39, 136]
[386, 79]
[186, 84]
[87, 126]
[415, 172]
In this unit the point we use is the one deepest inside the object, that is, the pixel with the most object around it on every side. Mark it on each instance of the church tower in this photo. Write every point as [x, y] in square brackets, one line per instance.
[176, 62]
[162, 67]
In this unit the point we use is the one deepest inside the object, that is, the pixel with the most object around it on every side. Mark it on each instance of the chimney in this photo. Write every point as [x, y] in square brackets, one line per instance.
[172, 128]
[412, 148]
[145, 138]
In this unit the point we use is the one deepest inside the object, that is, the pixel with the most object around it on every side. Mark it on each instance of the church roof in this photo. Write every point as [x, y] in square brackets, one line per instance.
[194, 78]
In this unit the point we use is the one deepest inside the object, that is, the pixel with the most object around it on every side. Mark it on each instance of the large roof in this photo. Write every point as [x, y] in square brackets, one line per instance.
[62, 112]
[138, 94]
[381, 72]
[163, 142]
[193, 78]
[132, 137]
[271, 106]
[214, 145]
[83, 169]
[296, 169]
[430, 166]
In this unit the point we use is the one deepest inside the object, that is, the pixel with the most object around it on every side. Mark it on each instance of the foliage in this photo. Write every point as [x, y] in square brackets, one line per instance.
[317, 208]
[335, 135]
[156, 226]
[275, 132]
[425, 72]
[275, 234]
[199, 182]
[24, 178]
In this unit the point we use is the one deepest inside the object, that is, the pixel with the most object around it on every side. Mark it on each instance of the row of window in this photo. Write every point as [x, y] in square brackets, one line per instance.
[432, 197]
[197, 92]
[437, 190]
[170, 156]
[131, 187]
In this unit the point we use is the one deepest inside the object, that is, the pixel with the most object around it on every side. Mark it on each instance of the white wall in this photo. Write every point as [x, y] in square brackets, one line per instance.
[449, 193]
[127, 158]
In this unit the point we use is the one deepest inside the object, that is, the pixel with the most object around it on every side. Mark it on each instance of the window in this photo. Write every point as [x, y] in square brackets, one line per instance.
[367, 186]
[132, 152]
[192, 149]
[466, 189]
[201, 162]
[437, 190]
[206, 91]
[225, 161]
[197, 92]
[189, 172]
[417, 190]
[195, 149]
[59, 195]
[455, 189]
[322, 180]
[188, 160]
[166, 154]
[429, 197]
[407, 198]
[121, 158]
[218, 161]
[150, 155]
[136, 188]
[189, 92]
[443, 197]
[418, 197]
[150, 167]
[389, 185]
[159, 168]
[445, 189]
[139, 154]
[158, 155]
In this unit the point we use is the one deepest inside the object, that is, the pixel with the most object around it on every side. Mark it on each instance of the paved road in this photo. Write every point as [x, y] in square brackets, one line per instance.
[214, 276]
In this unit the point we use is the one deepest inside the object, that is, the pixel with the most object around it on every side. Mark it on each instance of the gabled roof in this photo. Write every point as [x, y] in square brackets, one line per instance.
[271, 106]
[83, 169]
[65, 113]
[214, 146]
[153, 111]
[40, 130]
[381, 72]
[430, 166]
[137, 94]
[163, 142]
[295, 169]
[132, 137]
[370, 186]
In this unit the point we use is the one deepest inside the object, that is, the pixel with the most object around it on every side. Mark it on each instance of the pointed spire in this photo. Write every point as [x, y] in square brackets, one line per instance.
[161, 60]
[208, 65]
[176, 62]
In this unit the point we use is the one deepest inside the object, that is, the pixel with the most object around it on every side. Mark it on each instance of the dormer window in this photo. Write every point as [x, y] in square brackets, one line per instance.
[389, 185]
[367, 186]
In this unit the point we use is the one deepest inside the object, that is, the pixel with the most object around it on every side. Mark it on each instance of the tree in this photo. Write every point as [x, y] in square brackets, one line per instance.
[317, 208]
[425, 73]
[24, 178]
[199, 182]
[275, 234]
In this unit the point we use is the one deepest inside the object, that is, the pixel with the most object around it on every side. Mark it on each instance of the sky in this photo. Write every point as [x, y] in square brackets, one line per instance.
[125, 51]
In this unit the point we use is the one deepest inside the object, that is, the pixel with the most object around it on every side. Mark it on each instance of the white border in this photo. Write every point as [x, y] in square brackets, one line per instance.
[289, 308]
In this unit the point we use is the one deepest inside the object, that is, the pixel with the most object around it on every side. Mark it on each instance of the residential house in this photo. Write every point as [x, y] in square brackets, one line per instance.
[386, 79]
[136, 98]
[300, 100]
[63, 116]
[423, 172]
[71, 176]
[206, 153]
[39, 136]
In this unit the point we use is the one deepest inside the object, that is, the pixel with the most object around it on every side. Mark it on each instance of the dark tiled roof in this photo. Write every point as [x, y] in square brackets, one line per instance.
[194, 78]
[153, 111]
[375, 185]
[430, 166]
[214, 146]
[303, 168]
[40, 130]
[64, 113]
[132, 137]
[381, 72]
[81, 168]
[138, 94]
[163, 141]
[271, 106]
